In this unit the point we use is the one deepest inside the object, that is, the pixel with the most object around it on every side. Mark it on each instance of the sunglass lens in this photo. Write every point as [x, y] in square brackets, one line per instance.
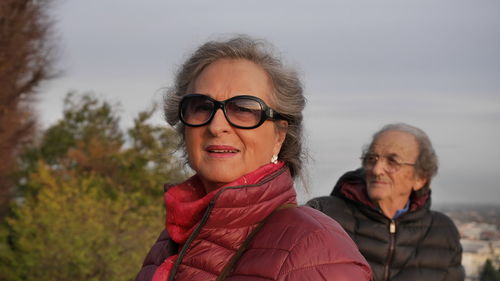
[196, 110]
[244, 112]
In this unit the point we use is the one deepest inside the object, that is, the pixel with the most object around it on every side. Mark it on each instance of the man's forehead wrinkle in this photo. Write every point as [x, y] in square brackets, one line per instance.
[394, 150]
[386, 155]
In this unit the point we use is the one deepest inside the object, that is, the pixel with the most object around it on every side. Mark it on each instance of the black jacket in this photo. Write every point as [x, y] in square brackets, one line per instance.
[419, 245]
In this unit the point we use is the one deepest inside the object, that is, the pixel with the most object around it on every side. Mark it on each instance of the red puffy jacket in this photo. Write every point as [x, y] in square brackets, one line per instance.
[293, 244]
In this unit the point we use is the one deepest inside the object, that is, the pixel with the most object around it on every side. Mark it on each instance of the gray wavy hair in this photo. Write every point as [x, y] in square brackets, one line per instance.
[287, 96]
[427, 164]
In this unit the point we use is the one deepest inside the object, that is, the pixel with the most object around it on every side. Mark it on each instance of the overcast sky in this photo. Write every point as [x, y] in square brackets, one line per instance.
[432, 64]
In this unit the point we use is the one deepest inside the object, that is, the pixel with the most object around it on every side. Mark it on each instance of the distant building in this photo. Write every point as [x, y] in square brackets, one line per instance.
[475, 254]
[477, 231]
[480, 242]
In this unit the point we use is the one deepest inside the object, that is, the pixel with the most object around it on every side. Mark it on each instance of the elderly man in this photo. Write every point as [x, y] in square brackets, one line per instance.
[385, 208]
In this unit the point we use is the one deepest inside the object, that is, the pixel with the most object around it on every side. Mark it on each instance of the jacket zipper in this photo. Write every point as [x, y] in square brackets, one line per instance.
[204, 219]
[392, 246]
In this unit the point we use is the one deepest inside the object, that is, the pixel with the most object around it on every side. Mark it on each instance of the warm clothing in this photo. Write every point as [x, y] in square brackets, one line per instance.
[296, 243]
[418, 245]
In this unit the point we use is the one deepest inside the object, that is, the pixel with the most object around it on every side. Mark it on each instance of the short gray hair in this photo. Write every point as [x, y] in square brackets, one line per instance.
[427, 164]
[287, 97]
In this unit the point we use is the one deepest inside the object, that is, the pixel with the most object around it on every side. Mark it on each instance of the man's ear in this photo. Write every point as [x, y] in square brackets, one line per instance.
[419, 182]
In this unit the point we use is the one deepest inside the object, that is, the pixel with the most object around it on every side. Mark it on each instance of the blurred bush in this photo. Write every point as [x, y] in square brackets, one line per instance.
[90, 196]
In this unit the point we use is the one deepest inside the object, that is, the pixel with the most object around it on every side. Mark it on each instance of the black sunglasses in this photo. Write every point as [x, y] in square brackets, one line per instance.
[244, 112]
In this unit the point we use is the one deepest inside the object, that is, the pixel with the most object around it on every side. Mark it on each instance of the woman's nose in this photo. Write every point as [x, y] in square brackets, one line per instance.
[219, 123]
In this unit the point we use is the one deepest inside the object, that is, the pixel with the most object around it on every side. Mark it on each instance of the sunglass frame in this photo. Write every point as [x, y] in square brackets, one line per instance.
[267, 113]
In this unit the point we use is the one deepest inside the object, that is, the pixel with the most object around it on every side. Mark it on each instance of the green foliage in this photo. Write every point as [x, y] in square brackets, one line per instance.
[489, 273]
[91, 205]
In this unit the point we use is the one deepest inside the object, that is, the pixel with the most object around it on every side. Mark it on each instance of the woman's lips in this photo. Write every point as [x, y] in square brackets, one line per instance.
[221, 151]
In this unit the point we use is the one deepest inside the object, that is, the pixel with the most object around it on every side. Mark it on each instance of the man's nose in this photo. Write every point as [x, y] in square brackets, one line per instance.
[379, 166]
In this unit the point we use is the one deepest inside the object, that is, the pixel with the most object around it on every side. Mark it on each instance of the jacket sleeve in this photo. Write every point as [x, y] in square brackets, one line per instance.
[455, 270]
[162, 249]
[325, 254]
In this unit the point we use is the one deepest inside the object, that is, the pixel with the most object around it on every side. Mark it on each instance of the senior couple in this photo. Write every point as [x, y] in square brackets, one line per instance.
[238, 110]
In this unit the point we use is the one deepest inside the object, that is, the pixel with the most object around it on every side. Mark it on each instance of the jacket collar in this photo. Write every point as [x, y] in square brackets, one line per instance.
[232, 213]
[352, 186]
[245, 205]
[258, 192]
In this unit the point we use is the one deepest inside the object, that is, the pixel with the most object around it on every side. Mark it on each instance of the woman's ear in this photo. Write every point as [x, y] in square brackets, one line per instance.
[281, 130]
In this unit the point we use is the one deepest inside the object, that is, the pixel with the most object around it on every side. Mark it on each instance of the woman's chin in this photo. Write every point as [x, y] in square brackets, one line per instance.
[219, 175]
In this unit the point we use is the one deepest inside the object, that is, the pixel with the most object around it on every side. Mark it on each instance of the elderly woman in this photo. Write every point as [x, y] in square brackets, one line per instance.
[239, 112]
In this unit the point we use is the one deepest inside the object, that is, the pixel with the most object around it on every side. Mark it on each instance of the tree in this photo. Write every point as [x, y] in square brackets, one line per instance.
[92, 197]
[489, 273]
[26, 60]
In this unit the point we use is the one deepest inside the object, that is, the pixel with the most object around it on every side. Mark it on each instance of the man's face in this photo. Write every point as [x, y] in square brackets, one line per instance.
[386, 185]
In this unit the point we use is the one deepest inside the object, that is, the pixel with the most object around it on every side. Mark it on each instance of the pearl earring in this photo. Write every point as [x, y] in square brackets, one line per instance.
[274, 159]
